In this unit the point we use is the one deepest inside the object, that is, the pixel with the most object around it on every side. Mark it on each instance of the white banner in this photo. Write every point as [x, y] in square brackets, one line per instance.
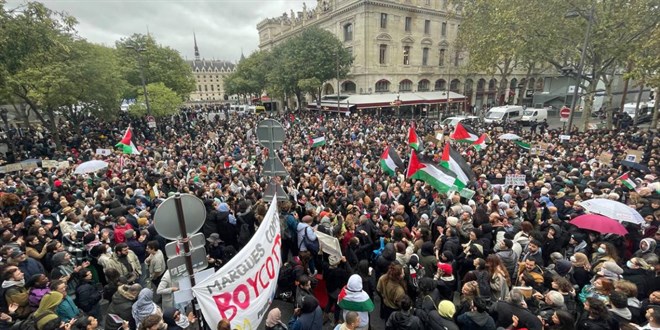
[103, 152]
[243, 289]
[329, 244]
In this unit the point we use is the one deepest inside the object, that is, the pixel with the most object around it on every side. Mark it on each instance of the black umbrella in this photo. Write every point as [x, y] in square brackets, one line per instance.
[637, 166]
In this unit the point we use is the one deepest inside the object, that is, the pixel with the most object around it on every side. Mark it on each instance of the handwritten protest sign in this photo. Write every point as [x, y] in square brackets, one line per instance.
[515, 180]
[49, 163]
[329, 244]
[242, 289]
[29, 166]
[13, 167]
[605, 158]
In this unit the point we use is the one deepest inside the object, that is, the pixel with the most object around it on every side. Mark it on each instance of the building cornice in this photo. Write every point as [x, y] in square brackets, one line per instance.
[346, 9]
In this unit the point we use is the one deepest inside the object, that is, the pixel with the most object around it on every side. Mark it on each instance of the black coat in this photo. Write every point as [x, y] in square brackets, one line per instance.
[502, 312]
[88, 296]
[641, 278]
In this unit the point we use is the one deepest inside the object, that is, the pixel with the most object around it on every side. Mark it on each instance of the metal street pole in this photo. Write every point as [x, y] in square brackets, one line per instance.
[580, 71]
[186, 248]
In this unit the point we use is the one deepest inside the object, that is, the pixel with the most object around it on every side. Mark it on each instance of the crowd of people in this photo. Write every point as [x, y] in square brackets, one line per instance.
[415, 258]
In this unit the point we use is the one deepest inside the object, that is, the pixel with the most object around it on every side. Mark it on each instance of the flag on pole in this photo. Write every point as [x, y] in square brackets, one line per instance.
[523, 145]
[414, 140]
[627, 181]
[453, 161]
[464, 133]
[318, 141]
[480, 144]
[126, 143]
[390, 161]
[439, 178]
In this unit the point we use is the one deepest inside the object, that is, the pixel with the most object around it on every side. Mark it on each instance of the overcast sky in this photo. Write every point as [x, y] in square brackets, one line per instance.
[222, 27]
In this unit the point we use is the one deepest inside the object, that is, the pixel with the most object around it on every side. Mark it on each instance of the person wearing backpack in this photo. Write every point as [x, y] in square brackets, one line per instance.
[45, 313]
[288, 225]
[308, 242]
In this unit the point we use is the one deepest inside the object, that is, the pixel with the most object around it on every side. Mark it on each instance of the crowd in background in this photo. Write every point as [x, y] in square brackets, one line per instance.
[508, 257]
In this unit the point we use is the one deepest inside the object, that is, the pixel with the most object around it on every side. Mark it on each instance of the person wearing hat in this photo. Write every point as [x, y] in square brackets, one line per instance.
[308, 316]
[215, 249]
[445, 280]
[443, 317]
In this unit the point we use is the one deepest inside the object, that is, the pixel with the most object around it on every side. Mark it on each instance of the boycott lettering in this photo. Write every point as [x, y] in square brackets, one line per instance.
[243, 289]
[229, 302]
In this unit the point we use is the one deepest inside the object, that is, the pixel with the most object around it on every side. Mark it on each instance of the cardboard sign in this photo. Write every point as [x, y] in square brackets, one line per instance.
[13, 167]
[3, 170]
[605, 158]
[63, 165]
[49, 163]
[432, 139]
[103, 152]
[515, 180]
[634, 156]
[29, 166]
[564, 137]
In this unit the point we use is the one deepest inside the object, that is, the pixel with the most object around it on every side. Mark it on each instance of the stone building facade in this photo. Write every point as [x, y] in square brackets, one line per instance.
[400, 46]
[209, 77]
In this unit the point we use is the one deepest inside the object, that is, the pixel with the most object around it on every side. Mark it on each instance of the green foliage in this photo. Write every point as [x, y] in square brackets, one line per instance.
[250, 75]
[298, 65]
[538, 30]
[160, 64]
[162, 100]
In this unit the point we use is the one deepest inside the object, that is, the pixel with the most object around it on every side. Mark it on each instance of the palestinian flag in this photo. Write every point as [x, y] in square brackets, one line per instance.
[627, 181]
[126, 143]
[439, 178]
[453, 161]
[390, 161]
[357, 301]
[523, 145]
[464, 133]
[317, 142]
[481, 143]
[414, 140]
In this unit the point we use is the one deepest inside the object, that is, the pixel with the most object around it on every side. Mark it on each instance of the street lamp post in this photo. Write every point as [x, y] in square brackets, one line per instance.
[139, 50]
[398, 105]
[580, 67]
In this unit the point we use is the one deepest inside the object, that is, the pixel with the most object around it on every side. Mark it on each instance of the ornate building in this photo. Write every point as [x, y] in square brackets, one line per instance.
[209, 76]
[399, 46]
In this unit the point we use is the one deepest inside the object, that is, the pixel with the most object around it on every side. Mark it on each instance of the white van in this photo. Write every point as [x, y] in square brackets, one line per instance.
[531, 115]
[452, 121]
[504, 113]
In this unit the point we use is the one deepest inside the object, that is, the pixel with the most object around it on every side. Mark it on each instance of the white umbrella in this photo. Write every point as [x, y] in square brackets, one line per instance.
[509, 136]
[90, 166]
[612, 209]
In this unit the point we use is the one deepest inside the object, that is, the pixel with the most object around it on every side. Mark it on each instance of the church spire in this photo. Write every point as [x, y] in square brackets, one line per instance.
[196, 48]
[242, 56]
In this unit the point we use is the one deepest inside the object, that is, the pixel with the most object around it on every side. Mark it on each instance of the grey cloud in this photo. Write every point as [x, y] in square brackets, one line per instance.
[222, 27]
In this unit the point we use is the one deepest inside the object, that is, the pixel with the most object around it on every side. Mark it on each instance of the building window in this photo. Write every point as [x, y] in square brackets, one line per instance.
[425, 56]
[423, 86]
[408, 25]
[350, 51]
[442, 57]
[427, 26]
[206, 88]
[348, 32]
[456, 58]
[383, 86]
[383, 21]
[406, 55]
[405, 86]
[382, 54]
[348, 87]
[199, 88]
[211, 88]
[443, 32]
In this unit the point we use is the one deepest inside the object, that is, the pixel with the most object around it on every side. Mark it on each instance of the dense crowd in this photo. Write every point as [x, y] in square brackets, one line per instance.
[506, 258]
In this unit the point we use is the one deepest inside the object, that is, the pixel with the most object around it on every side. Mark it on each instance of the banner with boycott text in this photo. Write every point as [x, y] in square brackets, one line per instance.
[243, 289]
